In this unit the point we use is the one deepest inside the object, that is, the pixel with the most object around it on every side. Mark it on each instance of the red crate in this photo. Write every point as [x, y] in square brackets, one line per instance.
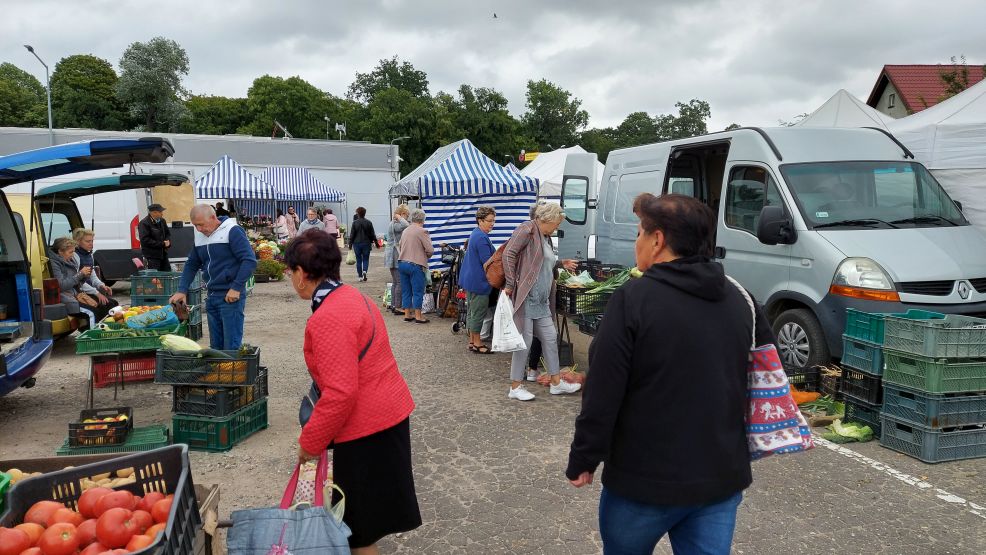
[135, 368]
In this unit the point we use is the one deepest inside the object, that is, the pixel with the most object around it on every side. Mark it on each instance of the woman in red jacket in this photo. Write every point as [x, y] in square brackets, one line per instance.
[362, 413]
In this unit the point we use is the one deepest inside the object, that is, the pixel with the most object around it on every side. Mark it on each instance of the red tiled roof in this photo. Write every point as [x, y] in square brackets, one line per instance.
[919, 86]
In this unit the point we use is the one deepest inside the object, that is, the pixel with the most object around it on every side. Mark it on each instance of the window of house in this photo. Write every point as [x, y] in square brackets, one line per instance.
[749, 189]
[891, 100]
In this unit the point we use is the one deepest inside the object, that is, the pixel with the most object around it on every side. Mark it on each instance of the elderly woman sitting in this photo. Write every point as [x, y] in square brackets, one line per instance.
[71, 277]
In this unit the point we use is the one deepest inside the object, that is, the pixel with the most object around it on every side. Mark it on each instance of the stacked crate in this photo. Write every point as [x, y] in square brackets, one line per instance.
[935, 388]
[217, 402]
[154, 288]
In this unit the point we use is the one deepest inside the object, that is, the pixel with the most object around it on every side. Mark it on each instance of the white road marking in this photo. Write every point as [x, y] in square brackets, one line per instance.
[974, 508]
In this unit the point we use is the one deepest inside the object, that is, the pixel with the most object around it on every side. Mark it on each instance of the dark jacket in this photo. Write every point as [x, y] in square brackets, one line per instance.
[665, 399]
[152, 237]
[362, 232]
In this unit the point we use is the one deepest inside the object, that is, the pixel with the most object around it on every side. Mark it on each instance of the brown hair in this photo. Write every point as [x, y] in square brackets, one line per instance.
[315, 252]
[484, 212]
[63, 243]
[687, 224]
[361, 211]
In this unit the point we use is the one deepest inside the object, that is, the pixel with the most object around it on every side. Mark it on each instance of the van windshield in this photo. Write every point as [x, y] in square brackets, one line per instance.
[870, 195]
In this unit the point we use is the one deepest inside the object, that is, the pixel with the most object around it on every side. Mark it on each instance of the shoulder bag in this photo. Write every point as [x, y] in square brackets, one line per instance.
[494, 268]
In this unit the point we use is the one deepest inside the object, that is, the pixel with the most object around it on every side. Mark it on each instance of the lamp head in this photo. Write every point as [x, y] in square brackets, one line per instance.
[29, 48]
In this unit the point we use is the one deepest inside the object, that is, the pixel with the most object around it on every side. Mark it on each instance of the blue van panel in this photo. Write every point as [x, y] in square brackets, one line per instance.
[23, 363]
[23, 297]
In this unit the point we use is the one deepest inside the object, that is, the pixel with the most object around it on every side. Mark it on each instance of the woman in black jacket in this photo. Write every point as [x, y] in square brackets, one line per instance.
[362, 238]
[664, 403]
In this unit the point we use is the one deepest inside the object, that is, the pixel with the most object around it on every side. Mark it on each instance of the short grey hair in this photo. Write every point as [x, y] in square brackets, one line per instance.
[418, 216]
[63, 243]
[205, 210]
[548, 212]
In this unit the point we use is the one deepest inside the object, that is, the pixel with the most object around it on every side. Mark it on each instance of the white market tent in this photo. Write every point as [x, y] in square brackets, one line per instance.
[454, 181]
[229, 180]
[845, 110]
[549, 169]
[296, 186]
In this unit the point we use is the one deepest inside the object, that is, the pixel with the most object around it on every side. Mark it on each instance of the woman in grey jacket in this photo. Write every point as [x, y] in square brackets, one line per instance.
[70, 279]
[393, 237]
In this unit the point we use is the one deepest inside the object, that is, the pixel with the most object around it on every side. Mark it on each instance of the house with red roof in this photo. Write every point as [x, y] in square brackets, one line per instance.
[902, 90]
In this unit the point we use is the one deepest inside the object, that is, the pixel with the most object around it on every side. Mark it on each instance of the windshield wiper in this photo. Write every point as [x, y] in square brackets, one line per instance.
[863, 222]
[924, 219]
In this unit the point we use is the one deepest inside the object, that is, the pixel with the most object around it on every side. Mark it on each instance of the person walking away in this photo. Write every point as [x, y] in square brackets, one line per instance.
[281, 226]
[393, 237]
[529, 268]
[331, 223]
[313, 222]
[363, 238]
[363, 411]
[70, 278]
[472, 277]
[223, 253]
[664, 408]
[221, 211]
[84, 239]
[293, 221]
[155, 239]
[412, 263]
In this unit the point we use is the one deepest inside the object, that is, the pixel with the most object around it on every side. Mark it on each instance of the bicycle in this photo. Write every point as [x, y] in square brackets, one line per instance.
[450, 279]
[460, 303]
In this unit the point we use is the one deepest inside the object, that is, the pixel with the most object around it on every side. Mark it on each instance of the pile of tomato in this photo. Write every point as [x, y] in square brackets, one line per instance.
[108, 522]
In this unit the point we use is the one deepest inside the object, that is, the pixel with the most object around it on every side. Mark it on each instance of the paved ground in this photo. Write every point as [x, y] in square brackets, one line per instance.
[489, 470]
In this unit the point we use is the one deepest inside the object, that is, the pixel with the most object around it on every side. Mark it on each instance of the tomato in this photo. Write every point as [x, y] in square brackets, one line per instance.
[149, 500]
[13, 541]
[32, 551]
[115, 527]
[143, 521]
[122, 499]
[59, 539]
[41, 511]
[115, 552]
[137, 543]
[87, 532]
[33, 530]
[87, 501]
[156, 529]
[66, 515]
[161, 510]
[94, 549]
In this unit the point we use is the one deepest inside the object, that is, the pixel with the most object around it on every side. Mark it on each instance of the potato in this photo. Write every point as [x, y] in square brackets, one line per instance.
[125, 472]
[101, 477]
[15, 475]
[105, 482]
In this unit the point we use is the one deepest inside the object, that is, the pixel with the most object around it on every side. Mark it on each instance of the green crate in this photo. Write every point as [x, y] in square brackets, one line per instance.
[154, 283]
[194, 331]
[934, 375]
[141, 439]
[203, 433]
[238, 370]
[4, 486]
[115, 341]
[869, 326]
[953, 337]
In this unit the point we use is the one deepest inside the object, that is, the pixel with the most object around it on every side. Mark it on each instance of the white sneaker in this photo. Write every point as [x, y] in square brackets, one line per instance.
[520, 393]
[564, 387]
[532, 375]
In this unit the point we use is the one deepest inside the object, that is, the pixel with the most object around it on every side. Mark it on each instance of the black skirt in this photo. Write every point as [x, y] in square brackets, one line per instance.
[375, 474]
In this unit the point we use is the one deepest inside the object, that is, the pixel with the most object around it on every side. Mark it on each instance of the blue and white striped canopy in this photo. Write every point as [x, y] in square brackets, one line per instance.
[460, 169]
[297, 184]
[229, 180]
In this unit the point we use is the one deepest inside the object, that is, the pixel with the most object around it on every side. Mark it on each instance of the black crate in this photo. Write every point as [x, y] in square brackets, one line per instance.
[580, 301]
[589, 325]
[196, 400]
[97, 434]
[861, 386]
[164, 470]
[803, 379]
[597, 270]
[238, 370]
[829, 381]
[864, 413]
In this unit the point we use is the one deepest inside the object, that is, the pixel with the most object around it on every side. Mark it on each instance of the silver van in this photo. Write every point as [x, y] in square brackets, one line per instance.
[812, 221]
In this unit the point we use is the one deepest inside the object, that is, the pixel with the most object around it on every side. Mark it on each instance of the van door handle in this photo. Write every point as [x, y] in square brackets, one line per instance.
[720, 252]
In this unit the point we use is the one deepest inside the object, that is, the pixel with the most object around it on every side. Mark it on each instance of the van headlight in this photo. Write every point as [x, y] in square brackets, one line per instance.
[862, 278]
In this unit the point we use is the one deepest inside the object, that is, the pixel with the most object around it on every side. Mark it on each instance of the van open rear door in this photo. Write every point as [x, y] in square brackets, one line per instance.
[578, 199]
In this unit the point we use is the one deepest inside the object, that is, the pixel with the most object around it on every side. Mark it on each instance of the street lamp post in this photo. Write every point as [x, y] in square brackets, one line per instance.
[391, 158]
[51, 132]
[326, 118]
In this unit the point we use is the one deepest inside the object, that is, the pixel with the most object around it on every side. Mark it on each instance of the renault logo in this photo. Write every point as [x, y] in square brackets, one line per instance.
[964, 289]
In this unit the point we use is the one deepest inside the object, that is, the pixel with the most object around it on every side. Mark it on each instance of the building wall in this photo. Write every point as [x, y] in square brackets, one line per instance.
[890, 95]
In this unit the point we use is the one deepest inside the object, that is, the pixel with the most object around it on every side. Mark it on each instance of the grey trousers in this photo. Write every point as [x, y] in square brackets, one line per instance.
[395, 289]
[544, 328]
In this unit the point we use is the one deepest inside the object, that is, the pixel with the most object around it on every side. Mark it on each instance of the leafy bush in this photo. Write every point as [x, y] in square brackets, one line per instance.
[272, 268]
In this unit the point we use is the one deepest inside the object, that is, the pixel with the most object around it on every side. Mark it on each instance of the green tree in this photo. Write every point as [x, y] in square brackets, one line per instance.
[955, 78]
[554, 117]
[22, 98]
[293, 102]
[215, 115]
[732, 126]
[150, 84]
[483, 118]
[690, 121]
[638, 128]
[389, 74]
[397, 113]
[599, 140]
[83, 94]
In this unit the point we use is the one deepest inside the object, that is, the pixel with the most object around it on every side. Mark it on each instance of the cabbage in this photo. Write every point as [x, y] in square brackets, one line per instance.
[852, 430]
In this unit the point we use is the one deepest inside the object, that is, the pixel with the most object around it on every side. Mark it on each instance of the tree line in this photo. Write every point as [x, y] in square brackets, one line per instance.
[390, 101]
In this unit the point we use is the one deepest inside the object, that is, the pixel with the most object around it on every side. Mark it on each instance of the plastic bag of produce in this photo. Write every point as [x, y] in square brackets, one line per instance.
[506, 337]
[351, 257]
[155, 319]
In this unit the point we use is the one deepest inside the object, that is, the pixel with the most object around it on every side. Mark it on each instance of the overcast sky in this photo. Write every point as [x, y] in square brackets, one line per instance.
[754, 61]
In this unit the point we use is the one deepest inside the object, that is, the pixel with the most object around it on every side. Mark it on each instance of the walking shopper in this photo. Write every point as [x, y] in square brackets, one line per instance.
[393, 236]
[293, 221]
[84, 239]
[529, 268]
[331, 223]
[155, 239]
[223, 253]
[472, 278]
[664, 407]
[416, 249]
[313, 222]
[364, 406]
[363, 238]
[281, 226]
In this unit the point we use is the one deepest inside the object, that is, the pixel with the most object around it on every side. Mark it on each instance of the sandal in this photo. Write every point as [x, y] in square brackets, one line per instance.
[411, 319]
[481, 350]
[416, 321]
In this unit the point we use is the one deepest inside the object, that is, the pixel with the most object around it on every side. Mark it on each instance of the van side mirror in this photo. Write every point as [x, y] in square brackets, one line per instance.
[775, 227]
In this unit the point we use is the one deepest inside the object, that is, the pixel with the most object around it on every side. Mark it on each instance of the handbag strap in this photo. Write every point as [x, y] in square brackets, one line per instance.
[373, 333]
[753, 309]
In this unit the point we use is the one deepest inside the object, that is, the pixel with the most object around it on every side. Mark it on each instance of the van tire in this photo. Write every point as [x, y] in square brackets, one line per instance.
[798, 329]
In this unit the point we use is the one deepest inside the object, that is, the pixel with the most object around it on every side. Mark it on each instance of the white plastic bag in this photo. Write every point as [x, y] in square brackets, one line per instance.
[506, 337]
[428, 304]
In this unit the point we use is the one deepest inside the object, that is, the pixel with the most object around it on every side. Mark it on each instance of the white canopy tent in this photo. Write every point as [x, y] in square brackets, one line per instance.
[549, 169]
[845, 110]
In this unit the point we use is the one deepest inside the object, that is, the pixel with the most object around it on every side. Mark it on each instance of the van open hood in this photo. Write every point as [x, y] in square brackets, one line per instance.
[108, 184]
[917, 254]
[83, 156]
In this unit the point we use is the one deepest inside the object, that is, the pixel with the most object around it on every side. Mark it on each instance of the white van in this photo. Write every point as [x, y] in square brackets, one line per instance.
[812, 221]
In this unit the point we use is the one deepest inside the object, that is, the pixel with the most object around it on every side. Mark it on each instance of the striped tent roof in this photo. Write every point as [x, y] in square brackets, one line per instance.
[460, 169]
[227, 179]
[297, 183]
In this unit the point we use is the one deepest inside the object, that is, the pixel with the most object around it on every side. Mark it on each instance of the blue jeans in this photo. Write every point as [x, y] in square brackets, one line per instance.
[412, 284]
[630, 528]
[225, 321]
[362, 251]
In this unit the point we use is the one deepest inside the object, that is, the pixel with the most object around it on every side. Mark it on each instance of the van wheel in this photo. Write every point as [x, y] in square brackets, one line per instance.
[800, 339]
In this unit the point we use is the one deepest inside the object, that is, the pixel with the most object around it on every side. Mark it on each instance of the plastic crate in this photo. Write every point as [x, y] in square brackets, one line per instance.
[861, 386]
[579, 301]
[154, 283]
[952, 337]
[120, 341]
[165, 470]
[239, 370]
[862, 355]
[194, 297]
[140, 439]
[4, 486]
[934, 411]
[934, 376]
[194, 400]
[829, 380]
[864, 413]
[204, 433]
[100, 434]
[869, 326]
[589, 324]
[804, 379]
[933, 446]
[110, 369]
[194, 331]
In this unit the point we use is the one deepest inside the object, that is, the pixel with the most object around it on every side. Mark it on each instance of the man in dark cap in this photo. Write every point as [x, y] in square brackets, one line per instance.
[155, 239]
